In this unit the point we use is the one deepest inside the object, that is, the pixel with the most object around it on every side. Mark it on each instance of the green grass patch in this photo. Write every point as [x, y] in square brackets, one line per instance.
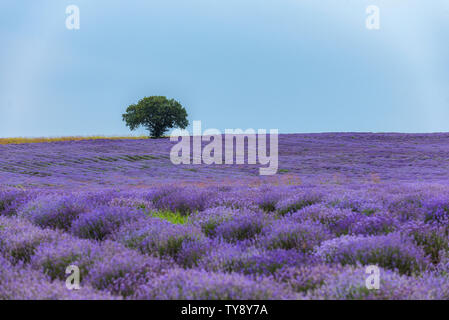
[173, 217]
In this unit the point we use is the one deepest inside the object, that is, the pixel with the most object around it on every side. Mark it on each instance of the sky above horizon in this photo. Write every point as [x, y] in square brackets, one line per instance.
[293, 65]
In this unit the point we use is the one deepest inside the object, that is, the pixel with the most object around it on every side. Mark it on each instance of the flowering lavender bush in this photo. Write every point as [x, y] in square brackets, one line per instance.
[406, 207]
[12, 199]
[249, 260]
[437, 209]
[268, 197]
[53, 258]
[351, 284]
[23, 283]
[156, 236]
[375, 224]
[358, 202]
[128, 201]
[120, 271]
[183, 200]
[306, 278]
[181, 284]
[19, 238]
[241, 227]
[297, 202]
[389, 251]
[287, 234]
[103, 221]
[433, 238]
[337, 220]
[209, 219]
[53, 211]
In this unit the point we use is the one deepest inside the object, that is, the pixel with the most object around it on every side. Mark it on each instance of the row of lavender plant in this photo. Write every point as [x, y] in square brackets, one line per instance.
[281, 242]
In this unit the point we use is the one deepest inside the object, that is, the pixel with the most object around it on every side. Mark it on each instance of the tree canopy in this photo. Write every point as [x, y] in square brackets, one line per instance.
[157, 114]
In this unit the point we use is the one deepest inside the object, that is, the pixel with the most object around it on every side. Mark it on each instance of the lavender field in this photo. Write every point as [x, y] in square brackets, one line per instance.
[139, 227]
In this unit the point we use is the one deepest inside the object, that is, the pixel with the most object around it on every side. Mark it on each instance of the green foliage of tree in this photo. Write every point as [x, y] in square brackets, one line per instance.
[157, 114]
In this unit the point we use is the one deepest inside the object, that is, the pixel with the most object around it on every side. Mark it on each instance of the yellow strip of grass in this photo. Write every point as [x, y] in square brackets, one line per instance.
[54, 139]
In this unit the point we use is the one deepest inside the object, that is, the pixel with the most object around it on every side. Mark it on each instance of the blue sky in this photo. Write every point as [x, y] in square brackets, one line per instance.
[292, 65]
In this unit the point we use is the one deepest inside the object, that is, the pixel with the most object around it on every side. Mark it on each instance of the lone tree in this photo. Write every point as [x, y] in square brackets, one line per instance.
[156, 114]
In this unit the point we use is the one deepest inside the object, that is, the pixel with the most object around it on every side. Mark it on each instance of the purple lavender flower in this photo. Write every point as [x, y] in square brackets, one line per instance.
[241, 227]
[12, 199]
[156, 236]
[192, 251]
[268, 198]
[132, 201]
[53, 258]
[350, 284]
[184, 200]
[308, 277]
[406, 207]
[19, 238]
[179, 284]
[359, 202]
[437, 209]
[337, 220]
[388, 251]
[378, 223]
[209, 219]
[120, 270]
[103, 221]
[250, 261]
[23, 283]
[297, 202]
[53, 211]
[287, 234]
[433, 237]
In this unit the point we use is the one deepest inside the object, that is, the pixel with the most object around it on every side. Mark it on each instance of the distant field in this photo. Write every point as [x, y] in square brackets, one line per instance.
[309, 158]
[55, 139]
[139, 227]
